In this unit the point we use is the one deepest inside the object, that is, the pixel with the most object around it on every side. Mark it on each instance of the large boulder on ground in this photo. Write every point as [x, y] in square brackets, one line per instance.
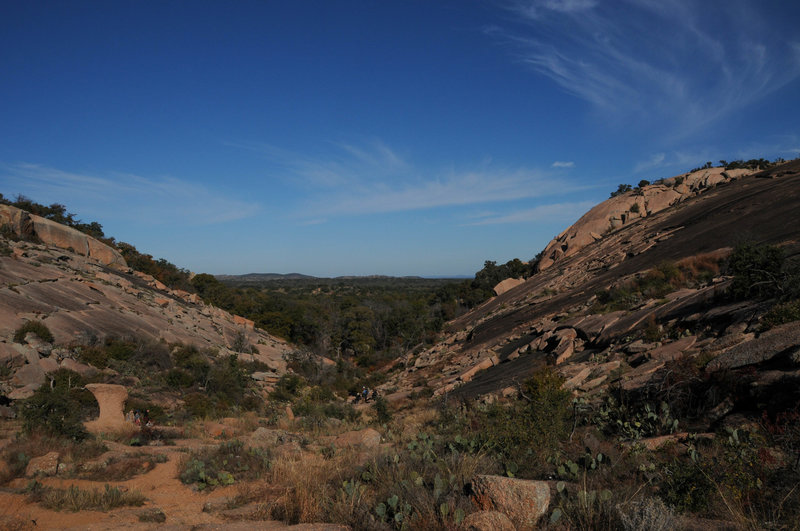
[508, 284]
[111, 399]
[368, 438]
[49, 465]
[29, 374]
[523, 501]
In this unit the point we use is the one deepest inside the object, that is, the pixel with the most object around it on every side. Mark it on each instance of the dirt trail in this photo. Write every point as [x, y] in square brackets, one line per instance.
[161, 486]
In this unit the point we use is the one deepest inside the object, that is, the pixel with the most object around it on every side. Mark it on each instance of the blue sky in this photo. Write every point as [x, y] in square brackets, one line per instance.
[396, 137]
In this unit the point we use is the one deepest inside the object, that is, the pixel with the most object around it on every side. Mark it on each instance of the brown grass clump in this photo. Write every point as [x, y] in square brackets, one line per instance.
[75, 499]
[304, 487]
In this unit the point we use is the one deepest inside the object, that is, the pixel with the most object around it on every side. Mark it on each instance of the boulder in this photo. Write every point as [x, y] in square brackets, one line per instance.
[48, 365]
[48, 465]
[523, 501]
[10, 357]
[111, 399]
[23, 392]
[42, 347]
[487, 521]
[367, 438]
[80, 368]
[29, 374]
[29, 353]
[508, 284]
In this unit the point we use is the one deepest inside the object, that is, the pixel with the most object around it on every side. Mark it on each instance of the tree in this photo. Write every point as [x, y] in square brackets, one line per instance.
[621, 189]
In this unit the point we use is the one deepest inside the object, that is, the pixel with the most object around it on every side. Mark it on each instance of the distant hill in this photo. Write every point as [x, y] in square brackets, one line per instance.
[263, 277]
[268, 277]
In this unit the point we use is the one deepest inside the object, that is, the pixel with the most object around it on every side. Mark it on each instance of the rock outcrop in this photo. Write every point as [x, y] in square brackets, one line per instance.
[555, 318]
[81, 300]
[111, 399]
[29, 226]
[626, 208]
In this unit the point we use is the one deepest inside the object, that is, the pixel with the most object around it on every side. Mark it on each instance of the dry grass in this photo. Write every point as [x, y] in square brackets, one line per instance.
[75, 499]
[303, 487]
[21, 450]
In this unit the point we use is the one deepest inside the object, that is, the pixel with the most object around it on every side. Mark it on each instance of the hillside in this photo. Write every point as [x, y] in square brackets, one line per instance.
[644, 373]
[555, 316]
[84, 293]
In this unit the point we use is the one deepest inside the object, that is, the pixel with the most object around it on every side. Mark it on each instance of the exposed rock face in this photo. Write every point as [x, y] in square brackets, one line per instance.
[624, 209]
[111, 399]
[79, 298]
[523, 501]
[28, 225]
[554, 317]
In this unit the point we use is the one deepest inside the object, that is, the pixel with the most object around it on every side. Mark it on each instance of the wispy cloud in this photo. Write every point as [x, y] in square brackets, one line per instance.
[558, 212]
[563, 164]
[683, 62]
[370, 178]
[125, 196]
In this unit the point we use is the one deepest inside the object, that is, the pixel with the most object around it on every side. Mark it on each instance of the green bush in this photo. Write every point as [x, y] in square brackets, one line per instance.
[539, 424]
[223, 465]
[782, 313]
[57, 410]
[36, 327]
[758, 271]
[288, 387]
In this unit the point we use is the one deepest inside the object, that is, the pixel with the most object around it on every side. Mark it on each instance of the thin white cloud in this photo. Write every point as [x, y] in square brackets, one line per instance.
[563, 164]
[167, 200]
[370, 178]
[653, 162]
[683, 62]
[558, 212]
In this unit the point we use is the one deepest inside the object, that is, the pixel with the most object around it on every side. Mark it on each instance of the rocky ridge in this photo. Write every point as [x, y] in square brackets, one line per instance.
[554, 317]
[85, 292]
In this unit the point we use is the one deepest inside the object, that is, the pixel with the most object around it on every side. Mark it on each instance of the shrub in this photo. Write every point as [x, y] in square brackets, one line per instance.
[381, 408]
[621, 189]
[223, 465]
[288, 387]
[540, 424]
[57, 409]
[635, 208]
[756, 270]
[782, 313]
[36, 327]
[650, 513]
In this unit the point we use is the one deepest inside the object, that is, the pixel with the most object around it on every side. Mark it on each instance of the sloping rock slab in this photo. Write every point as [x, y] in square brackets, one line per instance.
[765, 347]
